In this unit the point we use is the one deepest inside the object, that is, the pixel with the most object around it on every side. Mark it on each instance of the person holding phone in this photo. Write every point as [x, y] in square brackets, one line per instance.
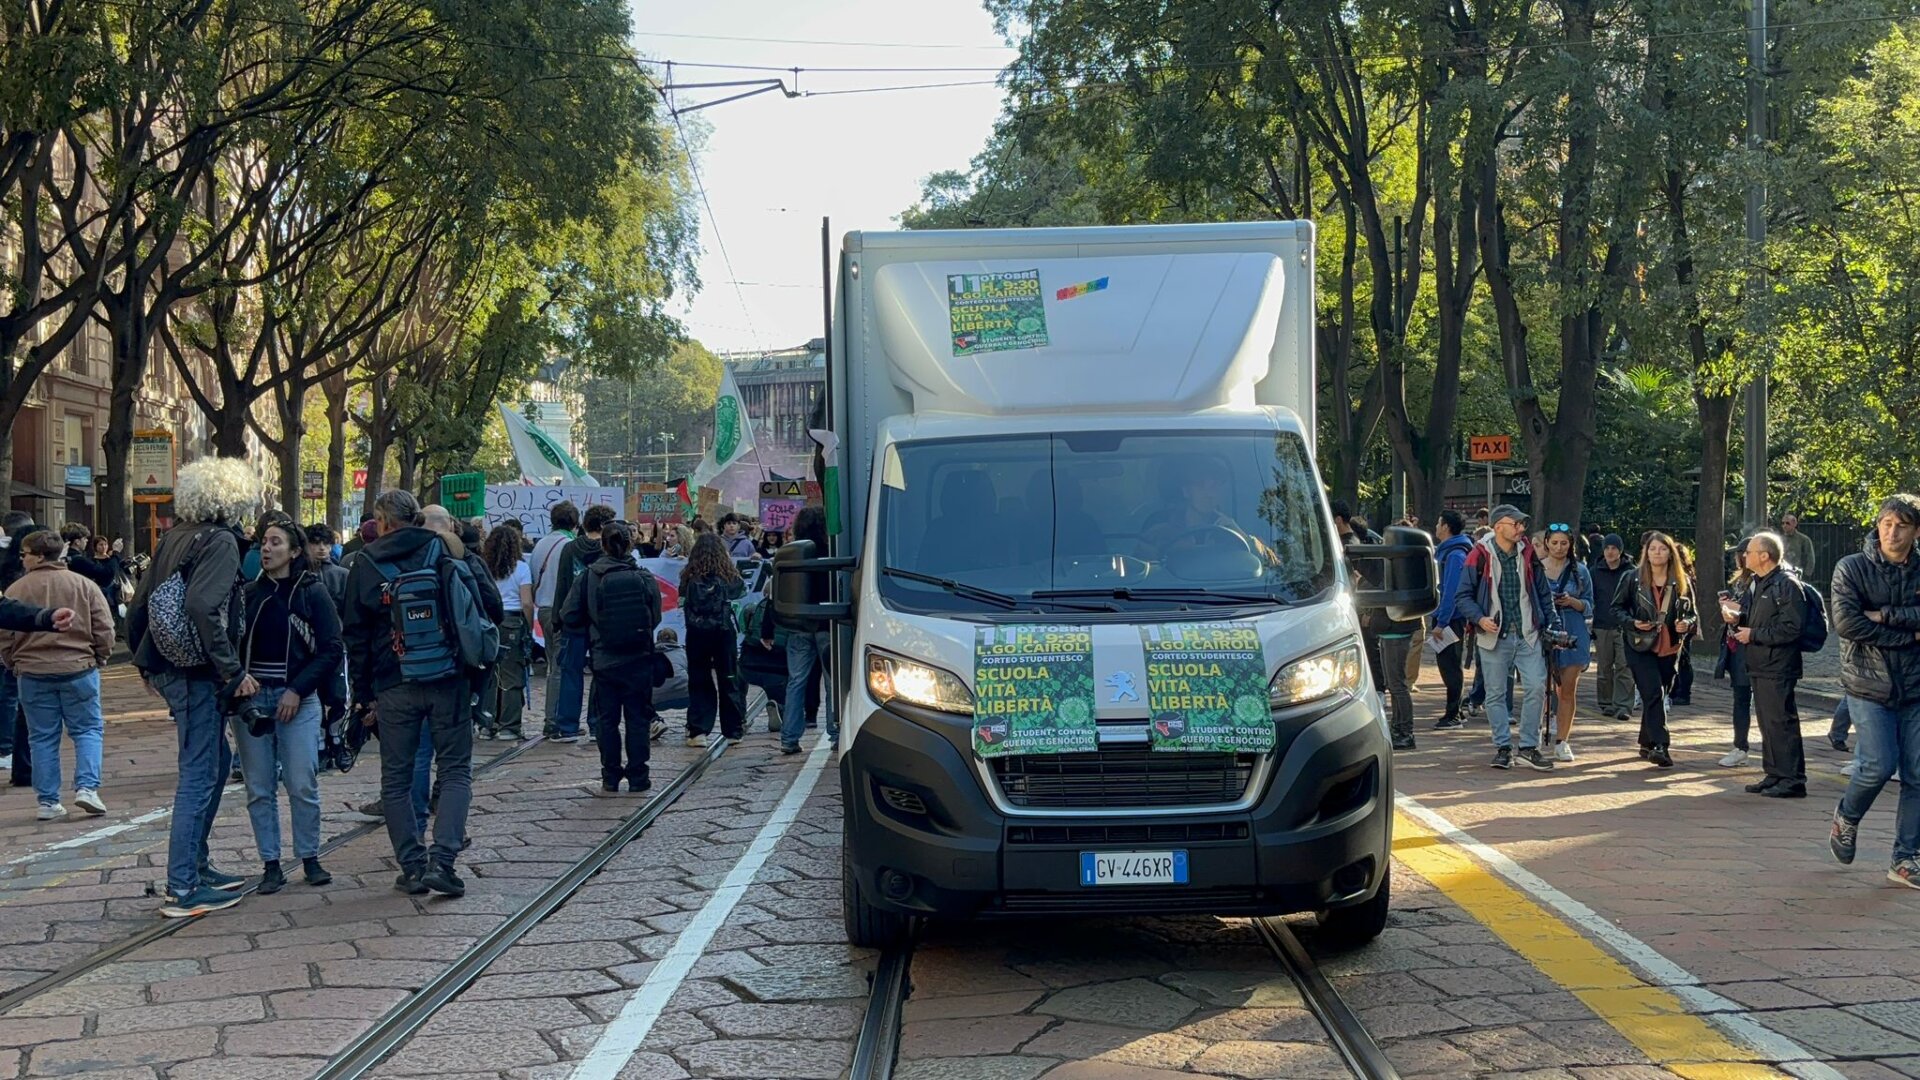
[1656, 608]
[1571, 584]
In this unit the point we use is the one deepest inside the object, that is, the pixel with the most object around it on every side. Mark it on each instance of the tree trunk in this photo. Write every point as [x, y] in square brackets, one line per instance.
[336, 392]
[131, 327]
[1709, 516]
[409, 455]
[6, 469]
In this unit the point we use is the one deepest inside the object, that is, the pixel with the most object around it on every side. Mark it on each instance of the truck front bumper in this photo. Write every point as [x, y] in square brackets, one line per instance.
[926, 838]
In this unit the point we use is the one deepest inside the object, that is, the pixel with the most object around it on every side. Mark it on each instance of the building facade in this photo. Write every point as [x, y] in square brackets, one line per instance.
[780, 390]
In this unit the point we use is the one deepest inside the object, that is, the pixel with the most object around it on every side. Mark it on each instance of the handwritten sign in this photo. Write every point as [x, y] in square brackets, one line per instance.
[530, 503]
[1489, 447]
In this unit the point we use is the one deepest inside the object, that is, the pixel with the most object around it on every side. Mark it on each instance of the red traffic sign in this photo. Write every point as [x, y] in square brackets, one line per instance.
[359, 479]
[1489, 447]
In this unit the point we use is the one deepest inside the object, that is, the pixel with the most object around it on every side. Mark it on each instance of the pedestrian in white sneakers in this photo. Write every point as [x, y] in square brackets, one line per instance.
[1572, 586]
[60, 673]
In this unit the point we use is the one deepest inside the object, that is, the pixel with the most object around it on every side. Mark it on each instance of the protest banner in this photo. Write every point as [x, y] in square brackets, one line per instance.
[530, 503]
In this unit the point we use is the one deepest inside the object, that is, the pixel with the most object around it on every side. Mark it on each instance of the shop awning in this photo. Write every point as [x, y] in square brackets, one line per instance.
[24, 490]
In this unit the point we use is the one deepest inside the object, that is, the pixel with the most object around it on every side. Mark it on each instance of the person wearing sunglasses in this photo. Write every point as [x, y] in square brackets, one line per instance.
[1571, 584]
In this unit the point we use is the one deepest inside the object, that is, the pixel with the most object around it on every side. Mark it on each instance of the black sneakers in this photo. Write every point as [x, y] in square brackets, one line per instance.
[443, 880]
[1759, 787]
[1533, 759]
[1403, 742]
[316, 874]
[1659, 756]
[409, 884]
[1843, 839]
[1502, 758]
[1786, 791]
[1449, 723]
[271, 879]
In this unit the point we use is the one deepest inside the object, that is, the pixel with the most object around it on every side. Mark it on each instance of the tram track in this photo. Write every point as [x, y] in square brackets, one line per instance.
[166, 928]
[877, 1046]
[392, 1030]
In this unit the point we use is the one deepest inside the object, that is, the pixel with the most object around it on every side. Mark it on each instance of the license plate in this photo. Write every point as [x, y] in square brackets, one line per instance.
[1133, 868]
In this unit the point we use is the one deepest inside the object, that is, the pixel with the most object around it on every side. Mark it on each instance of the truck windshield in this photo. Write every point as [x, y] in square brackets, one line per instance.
[1140, 521]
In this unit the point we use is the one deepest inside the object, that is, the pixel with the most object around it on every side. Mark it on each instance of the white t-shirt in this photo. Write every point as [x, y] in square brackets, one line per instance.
[510, 585]
[545, 556]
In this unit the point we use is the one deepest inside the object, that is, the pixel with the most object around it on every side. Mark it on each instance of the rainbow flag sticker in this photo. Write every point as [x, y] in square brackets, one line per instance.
[1082, 289]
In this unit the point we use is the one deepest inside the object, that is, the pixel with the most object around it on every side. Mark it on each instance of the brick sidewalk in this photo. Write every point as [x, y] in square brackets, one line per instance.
[1737, 889]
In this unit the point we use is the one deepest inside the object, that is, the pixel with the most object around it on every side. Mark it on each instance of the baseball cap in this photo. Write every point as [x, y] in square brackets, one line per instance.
[1505, 511]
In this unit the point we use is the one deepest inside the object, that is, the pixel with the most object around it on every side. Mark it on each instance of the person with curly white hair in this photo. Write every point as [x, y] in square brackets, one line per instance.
[184, 630]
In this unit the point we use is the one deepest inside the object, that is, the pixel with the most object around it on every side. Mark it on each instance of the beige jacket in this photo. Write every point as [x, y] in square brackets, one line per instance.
[85, 646]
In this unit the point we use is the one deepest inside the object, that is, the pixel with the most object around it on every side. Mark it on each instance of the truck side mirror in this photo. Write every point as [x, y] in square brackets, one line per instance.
[802, 582]
[1403, 568]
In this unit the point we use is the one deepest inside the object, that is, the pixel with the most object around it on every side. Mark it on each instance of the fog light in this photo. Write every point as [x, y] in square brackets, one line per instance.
[895, 885]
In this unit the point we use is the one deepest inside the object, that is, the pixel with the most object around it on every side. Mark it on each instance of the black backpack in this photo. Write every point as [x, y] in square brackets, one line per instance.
[622, 608]
[707, 605]
[1813, 631]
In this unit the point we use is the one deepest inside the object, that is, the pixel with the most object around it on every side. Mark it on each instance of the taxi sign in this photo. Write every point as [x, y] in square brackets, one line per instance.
[1489, 447]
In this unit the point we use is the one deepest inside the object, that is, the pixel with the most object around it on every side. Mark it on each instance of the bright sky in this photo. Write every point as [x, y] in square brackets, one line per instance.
[774, 166]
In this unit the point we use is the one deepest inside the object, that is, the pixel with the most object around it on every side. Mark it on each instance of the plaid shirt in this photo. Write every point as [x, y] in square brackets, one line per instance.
[1512, 623]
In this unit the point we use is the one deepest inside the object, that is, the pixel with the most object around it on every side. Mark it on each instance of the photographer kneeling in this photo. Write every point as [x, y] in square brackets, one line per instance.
[292, 648]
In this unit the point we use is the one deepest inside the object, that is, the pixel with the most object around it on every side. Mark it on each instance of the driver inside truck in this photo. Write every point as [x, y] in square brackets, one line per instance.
[1197, 520]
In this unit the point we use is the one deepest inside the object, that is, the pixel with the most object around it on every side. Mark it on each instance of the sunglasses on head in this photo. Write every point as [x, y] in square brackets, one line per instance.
[1559, 526]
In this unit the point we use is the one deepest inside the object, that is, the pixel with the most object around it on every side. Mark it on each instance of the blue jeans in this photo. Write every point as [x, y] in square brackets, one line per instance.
[72, 703]
[9, 701]
[804, 650]
[289, 755]
[1887, 741]
[205, 762]
[1511, 654]
[422, 785]
[573, 684]
[1842, 722]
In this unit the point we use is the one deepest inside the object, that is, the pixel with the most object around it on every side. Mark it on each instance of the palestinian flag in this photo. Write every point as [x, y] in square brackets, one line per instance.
[686, 497]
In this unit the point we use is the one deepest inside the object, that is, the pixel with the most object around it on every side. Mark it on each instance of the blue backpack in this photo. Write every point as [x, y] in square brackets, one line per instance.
[439, 629]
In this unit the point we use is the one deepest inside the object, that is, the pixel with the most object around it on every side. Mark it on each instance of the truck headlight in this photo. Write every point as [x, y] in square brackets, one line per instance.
[890, 677]
[1336, 671]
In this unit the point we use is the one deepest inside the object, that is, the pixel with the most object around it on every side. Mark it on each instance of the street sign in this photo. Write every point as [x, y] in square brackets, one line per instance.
[312, 485]
[359, 479]
[80, 476]
[1489, 447]
[150, 466]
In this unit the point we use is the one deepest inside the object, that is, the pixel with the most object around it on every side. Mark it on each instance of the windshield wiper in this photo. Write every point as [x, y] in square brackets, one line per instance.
[1203, 596]
[975, 592]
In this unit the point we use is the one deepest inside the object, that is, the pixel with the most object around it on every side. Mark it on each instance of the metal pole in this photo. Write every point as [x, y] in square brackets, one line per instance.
[1756, 397]
[1489, 487]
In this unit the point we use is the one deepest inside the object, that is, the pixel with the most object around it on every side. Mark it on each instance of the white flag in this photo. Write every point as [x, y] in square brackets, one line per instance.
[732, 431]
[542, 460]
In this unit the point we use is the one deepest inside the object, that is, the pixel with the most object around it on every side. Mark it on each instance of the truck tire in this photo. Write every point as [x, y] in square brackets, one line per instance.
[868, 927]
[1352, 927]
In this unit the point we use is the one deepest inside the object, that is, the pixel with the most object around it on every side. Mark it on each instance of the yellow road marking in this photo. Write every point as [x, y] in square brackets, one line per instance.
[1651, 1018]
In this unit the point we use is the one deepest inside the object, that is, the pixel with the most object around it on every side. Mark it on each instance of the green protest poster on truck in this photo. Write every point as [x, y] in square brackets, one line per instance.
[1033, 690]
[1207, 688]
[996, 312]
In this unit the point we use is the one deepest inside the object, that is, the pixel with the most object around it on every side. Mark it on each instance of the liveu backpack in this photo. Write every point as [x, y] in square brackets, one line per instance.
[439, 630]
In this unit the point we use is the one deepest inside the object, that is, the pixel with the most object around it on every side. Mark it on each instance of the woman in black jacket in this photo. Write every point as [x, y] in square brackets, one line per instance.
[292, 649]
[1655, 607]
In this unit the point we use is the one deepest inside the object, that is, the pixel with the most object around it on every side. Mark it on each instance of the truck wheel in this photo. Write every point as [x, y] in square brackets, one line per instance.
[1352, 927]
[868, 927]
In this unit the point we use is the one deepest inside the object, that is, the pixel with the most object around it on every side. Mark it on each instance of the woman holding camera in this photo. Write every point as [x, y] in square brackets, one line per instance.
[1656, 608]
[292, 647]
[1572, 585]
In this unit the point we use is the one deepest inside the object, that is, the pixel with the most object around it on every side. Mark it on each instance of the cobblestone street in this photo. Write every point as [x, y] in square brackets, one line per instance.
[1603, 921]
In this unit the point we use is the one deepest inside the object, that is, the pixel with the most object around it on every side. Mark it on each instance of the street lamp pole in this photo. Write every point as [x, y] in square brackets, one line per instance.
[666, 468]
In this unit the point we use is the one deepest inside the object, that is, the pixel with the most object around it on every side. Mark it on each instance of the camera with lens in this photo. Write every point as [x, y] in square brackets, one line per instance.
[259, 721]
[1559, 639]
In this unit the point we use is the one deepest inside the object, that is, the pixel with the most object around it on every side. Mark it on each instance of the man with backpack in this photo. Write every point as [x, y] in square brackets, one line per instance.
[615, 606]
[184, 628]
[416, 631]
[1770, 619]
[563, 724]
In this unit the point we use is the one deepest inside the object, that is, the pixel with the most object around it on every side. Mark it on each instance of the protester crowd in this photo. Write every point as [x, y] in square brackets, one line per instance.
[279, 652]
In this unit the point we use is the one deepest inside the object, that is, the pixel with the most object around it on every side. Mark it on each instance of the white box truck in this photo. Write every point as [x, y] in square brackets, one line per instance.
[1095, 642]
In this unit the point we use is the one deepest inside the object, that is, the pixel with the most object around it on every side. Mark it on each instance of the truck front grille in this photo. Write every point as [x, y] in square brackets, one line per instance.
[1122, 778]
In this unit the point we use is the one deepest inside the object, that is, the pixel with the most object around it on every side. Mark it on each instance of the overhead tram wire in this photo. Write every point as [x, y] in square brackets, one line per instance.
[719, 241]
